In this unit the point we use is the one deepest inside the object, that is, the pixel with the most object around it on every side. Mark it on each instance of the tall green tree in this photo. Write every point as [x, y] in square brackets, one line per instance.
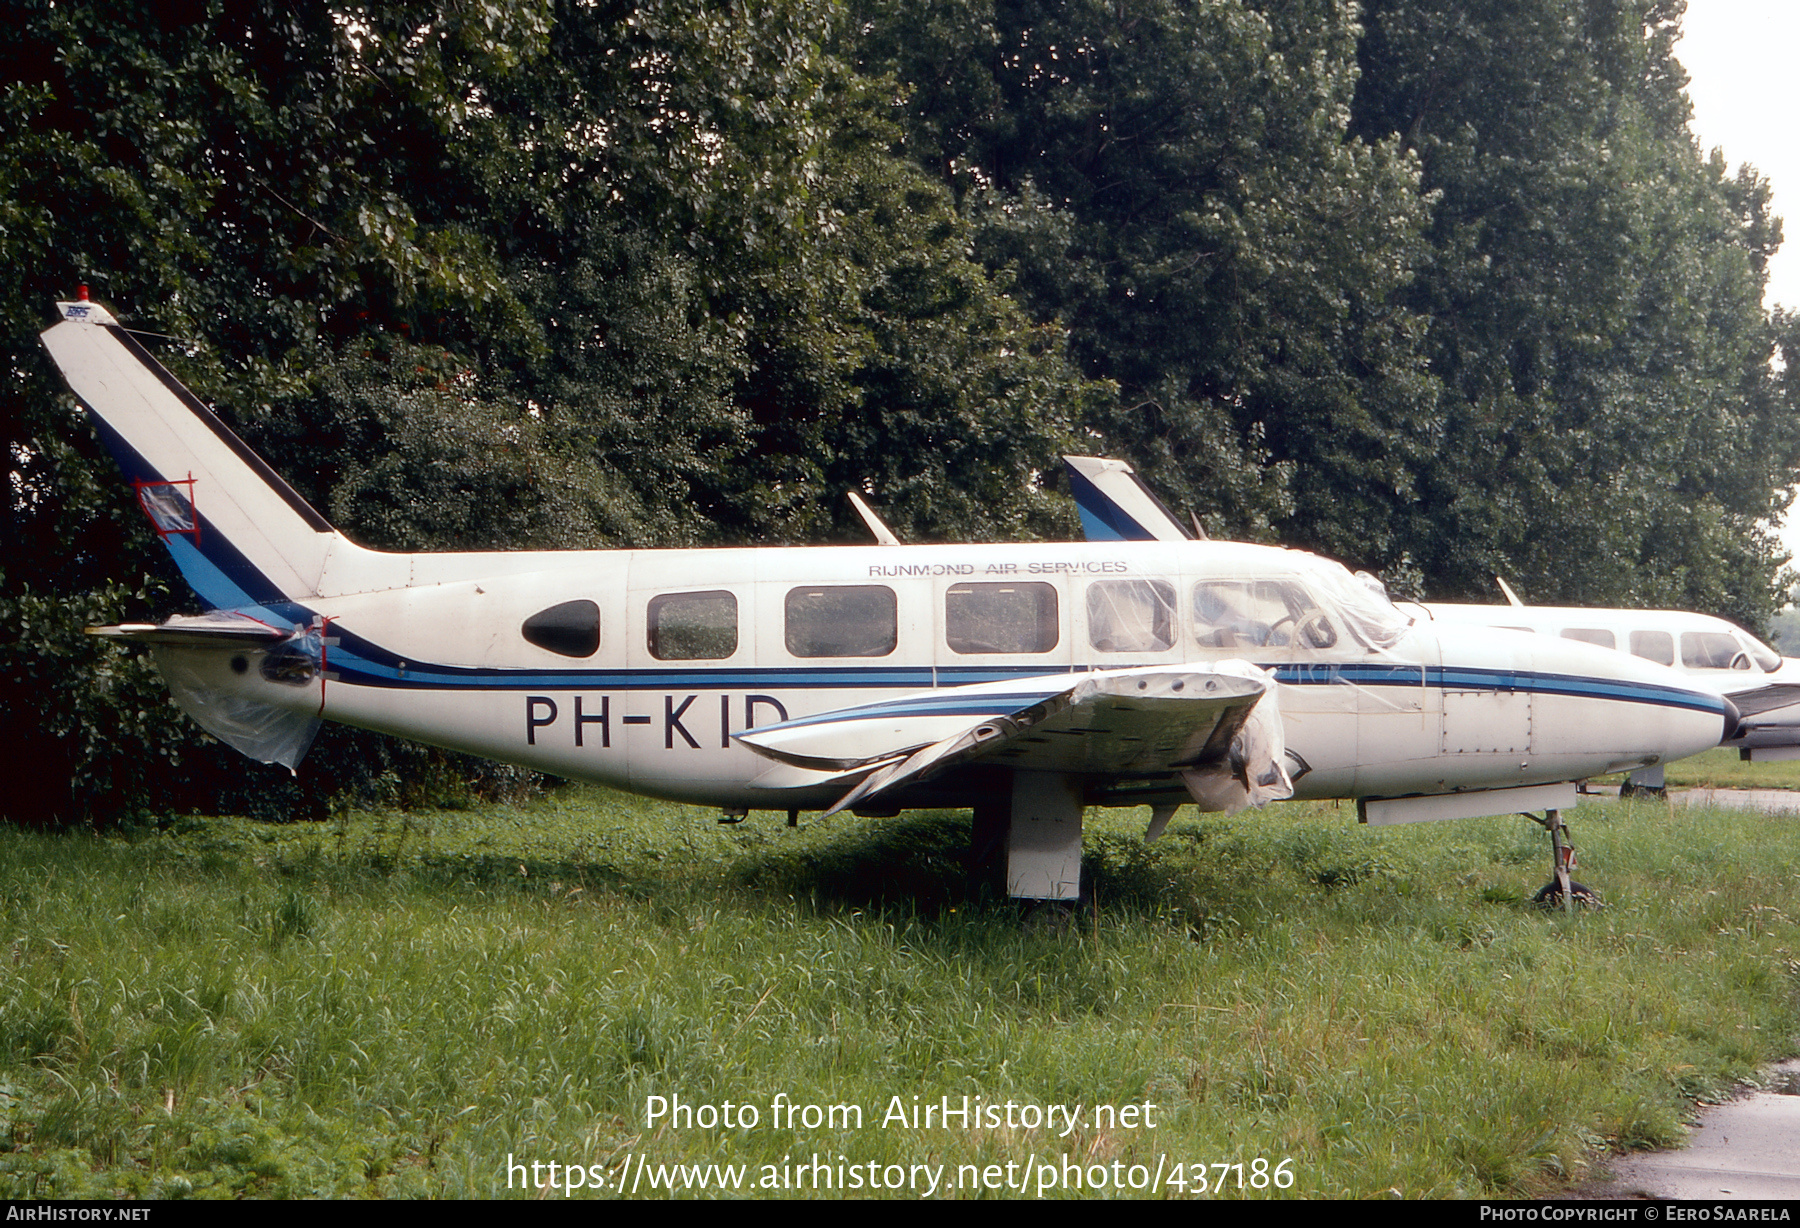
[1175, 184]
[1610, 432]
[479, 276]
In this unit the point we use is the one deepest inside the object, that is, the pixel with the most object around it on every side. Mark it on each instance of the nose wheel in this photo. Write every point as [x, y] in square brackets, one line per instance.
[1562, 890]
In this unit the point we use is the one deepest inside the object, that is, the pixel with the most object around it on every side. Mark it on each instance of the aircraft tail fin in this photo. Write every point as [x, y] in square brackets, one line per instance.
[1115, 505]
[240, 534]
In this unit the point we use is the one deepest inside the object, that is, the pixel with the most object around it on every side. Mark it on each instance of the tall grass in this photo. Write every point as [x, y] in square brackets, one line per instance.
[393, 1006]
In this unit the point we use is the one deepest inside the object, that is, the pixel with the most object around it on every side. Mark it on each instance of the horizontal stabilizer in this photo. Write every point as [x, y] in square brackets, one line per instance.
[219, 629]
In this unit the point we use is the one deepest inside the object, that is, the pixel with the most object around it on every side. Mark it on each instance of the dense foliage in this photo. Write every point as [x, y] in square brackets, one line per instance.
[1441, 287]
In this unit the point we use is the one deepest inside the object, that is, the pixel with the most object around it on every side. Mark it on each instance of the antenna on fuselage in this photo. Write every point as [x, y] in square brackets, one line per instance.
[1512, 598]
[883, 535]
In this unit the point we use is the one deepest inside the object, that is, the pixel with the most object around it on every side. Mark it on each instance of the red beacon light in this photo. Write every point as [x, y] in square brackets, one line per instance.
[81, 293]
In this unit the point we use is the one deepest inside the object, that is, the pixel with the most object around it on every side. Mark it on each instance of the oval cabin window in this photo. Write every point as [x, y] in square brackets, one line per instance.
[571, 629]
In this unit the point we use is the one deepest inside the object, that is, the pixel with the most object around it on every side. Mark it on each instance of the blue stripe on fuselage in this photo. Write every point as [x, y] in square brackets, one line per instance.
[1472, 678]
[358, 661]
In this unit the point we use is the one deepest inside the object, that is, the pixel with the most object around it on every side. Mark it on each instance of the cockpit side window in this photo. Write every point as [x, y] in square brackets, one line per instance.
[1131, 615]
[845, 620]
[1015, 617]
[1233, 615]
[1658, 646]
[692, 626]
[571, 629]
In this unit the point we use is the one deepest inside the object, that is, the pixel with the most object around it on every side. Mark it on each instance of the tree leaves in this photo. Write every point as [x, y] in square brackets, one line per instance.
[1440, 287]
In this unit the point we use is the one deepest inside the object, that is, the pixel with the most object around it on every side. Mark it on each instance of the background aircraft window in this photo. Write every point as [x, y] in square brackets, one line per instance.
[1658, 646]
[1001, 618]
[850, 620]
[571, 629]
[1131, 615]
[693, 626]
[1712, 650]
[1236, 614]
[1591, 635]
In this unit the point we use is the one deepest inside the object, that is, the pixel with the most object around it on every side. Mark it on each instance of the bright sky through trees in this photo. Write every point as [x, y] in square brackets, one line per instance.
[1735, 53]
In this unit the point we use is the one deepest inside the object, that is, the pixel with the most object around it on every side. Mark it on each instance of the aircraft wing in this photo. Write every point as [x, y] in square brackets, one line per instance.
[1103, 726]
[1758, 700]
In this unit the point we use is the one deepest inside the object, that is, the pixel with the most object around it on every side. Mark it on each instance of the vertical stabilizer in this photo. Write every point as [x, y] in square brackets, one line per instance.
[240, 534]
[1115, 505]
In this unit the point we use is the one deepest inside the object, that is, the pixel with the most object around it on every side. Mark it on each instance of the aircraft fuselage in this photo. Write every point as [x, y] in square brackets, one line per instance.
[665, 657]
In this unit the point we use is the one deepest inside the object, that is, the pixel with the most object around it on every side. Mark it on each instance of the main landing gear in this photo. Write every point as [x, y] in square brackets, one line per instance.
[1027, 842]
[1562, 889]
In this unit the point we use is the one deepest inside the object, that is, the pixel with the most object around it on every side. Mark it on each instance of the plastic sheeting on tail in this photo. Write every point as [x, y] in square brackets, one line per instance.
[263, 731]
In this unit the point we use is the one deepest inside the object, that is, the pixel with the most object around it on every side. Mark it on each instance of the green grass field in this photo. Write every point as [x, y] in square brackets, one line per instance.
[396, 1005]
[1722, 769]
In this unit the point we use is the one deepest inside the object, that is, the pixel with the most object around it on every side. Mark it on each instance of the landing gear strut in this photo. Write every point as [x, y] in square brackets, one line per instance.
[1030, 839]
[1562, 888]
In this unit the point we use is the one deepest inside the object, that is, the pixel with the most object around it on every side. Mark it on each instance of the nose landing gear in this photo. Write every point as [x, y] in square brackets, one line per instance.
[1562, 889]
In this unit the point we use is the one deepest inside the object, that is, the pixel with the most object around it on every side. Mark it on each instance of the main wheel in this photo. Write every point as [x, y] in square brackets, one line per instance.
[1551, 896]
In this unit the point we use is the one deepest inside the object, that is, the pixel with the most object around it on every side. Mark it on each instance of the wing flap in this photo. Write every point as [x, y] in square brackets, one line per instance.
[867, 734]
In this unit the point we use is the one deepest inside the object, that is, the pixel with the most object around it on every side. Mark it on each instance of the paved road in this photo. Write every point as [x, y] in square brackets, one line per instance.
[1769, 801]
[1749, 1148]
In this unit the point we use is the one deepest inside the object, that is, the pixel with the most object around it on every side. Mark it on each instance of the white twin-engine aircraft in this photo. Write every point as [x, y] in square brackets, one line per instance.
[1027, 681]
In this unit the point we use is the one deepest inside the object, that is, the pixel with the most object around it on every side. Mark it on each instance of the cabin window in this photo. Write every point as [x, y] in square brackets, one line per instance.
[571, 629]
[1591, 635]
[1131, 615]
[847, 620]
[1238, 614]
[693, 626]
[1658, 646]
[1712, 650]
[1001, 618]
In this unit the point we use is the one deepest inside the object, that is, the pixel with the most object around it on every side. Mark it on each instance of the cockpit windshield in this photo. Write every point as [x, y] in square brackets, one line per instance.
[1361, 600]
[1765, 657]
[1244, 614]
[1311, 610]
